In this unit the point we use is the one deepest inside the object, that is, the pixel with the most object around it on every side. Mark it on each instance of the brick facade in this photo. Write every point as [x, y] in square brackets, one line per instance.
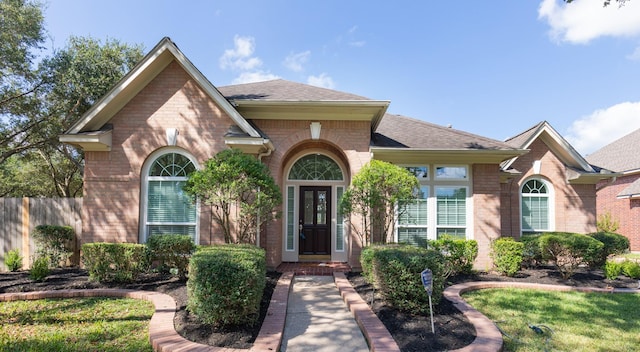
[574, 205]
[625, 210]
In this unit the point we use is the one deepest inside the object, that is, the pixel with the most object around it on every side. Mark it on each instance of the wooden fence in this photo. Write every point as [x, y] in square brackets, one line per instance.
[20, 216]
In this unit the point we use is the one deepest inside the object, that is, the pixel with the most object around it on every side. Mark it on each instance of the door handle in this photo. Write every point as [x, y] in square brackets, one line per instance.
[300, 227]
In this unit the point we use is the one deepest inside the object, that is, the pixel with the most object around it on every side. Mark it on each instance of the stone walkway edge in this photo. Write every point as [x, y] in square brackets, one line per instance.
[164, 338]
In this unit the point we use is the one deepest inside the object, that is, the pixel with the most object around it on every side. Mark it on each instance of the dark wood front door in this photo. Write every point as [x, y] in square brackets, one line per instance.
[315, 220]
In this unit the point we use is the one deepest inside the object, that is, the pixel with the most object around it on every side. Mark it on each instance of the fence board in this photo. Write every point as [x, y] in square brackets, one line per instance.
[42, 211]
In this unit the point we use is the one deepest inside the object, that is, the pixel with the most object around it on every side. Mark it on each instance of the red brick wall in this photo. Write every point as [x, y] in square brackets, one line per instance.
[112, 179]
[575, 205]
[486, 210]
[626, 211]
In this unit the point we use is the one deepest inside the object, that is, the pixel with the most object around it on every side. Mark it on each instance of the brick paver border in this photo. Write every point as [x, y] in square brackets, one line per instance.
[162, 334]
[488, 337]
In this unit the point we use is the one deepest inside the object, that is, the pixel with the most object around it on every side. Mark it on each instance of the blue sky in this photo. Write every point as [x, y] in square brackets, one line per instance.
[493, 68]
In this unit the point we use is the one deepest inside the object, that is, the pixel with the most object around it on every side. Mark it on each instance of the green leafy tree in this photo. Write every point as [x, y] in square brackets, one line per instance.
[376, 196]
[38, 103]
[234, 181]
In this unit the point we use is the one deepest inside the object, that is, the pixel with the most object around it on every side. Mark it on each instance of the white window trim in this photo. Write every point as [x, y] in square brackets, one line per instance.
[551, 202]
[144, 190]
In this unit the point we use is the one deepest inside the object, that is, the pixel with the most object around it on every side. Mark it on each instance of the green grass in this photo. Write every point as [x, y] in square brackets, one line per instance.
[580, 321]
[78, 324]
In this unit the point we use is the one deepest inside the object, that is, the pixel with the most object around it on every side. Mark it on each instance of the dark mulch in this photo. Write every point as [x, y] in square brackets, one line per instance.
[411, 332]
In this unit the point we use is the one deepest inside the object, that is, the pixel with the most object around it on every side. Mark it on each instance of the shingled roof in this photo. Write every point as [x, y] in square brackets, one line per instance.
[283, 90]
[622, 155]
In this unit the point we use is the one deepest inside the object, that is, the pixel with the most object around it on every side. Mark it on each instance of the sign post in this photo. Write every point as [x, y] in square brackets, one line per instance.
[427, 282]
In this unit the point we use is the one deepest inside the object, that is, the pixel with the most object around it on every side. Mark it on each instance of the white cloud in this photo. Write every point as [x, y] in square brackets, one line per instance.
[255, 76]
[240, 57]
[602, 127]
[295, 61]
[584, 20]
[635, 55]
[323, 80]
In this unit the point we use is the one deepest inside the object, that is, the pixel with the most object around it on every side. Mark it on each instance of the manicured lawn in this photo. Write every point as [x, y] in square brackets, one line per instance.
[580, 321]
[78, 324]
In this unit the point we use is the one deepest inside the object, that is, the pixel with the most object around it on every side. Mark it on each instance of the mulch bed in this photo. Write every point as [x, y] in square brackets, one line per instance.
[411, 332]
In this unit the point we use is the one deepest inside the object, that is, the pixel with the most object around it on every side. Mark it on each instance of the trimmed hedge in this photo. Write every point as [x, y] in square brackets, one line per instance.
[507, 255]
[396, 269]
[569, 250]
[459, 254]
[531, 253]
[114, 262]
[54, 242]
[171, 252]
[613, 244]
[226, 284]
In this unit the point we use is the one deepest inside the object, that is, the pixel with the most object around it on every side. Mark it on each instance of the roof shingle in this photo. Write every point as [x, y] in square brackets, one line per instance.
[621, 155]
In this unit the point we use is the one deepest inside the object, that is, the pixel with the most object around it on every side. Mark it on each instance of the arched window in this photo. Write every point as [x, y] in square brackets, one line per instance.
[536, 206]
[168, 209]
[316, 167]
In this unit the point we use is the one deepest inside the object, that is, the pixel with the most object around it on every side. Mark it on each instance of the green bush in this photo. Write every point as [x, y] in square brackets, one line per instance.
[13, 260]
[459, 254]
[171, 252]
[507, 255]
[366, 261]
[613, 244]
[612, 270]
[569, 250]
[631, 269]
[396, 270]
[226, 284]
[531, 253]
[114, 262]
[40, 269]
[54, 242]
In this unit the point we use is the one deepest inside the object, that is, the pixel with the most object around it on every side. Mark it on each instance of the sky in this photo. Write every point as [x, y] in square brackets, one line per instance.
[492, 68]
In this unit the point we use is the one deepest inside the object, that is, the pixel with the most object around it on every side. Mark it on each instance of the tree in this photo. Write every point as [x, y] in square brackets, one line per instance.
[377, 195]
[37, 104]
[232, 180]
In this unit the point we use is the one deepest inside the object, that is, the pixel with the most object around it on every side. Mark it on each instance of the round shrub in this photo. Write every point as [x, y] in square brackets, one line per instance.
[171, 252]
[507, 255]
[613, 244]
[459, 254]
[631, 269]
[531, 252]
[114, 262]
[569, 250]
[55, 242]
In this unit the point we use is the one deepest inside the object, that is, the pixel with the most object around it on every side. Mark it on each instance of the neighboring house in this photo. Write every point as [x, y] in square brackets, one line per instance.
[165, 118]
[620, 197]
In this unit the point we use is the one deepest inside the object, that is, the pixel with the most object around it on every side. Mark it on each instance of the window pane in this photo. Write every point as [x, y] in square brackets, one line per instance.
[167, 202]
[456, 233]
[535, 213]
[451, 172]
[315, 167]
[413, 235]
[321, 208]
[172, 230]
[172, 165]
[308, 207]
[290, 218]
[451, 206]
[421, 172]
[339, 223]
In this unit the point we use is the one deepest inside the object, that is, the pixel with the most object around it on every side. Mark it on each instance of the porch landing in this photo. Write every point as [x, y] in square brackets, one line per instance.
[313, 268]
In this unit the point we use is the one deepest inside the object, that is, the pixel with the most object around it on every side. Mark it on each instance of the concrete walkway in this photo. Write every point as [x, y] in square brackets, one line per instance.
[319, 320]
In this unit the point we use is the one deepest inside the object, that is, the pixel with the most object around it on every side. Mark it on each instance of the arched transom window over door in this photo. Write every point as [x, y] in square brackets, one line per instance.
[169, 210]
[536, 206]
[316, 167]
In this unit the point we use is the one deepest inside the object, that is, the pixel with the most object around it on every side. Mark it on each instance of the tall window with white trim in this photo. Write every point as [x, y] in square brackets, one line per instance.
[169, 209]
[535, 206]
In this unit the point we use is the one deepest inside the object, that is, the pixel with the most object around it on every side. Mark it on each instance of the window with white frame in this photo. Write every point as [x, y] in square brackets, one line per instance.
[536, 206]
[169, 210]
[441, 208]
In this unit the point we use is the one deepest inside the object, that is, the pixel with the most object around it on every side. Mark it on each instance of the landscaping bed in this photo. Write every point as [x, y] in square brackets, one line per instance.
[411, 332]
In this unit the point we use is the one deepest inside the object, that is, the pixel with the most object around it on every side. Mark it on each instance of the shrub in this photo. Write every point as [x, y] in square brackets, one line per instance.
[459, 254]
[13, 260]
[40, 269]
[226, 284]
[507, 255]
[396, 270]
[613, 244]
[569, 250]
[54, 242]
[531, 253]
[114, 262]
[171, 252]
[631, 269]
[612, 270]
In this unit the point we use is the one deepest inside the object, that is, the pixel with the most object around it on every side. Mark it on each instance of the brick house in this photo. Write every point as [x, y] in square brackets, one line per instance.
[165, 118]
[620, 196]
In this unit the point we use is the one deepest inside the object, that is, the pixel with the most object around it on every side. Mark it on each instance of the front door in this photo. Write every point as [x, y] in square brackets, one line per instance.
[315, 221]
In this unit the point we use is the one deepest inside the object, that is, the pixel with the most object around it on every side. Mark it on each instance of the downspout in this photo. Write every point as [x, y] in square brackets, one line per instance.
[260, 155]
